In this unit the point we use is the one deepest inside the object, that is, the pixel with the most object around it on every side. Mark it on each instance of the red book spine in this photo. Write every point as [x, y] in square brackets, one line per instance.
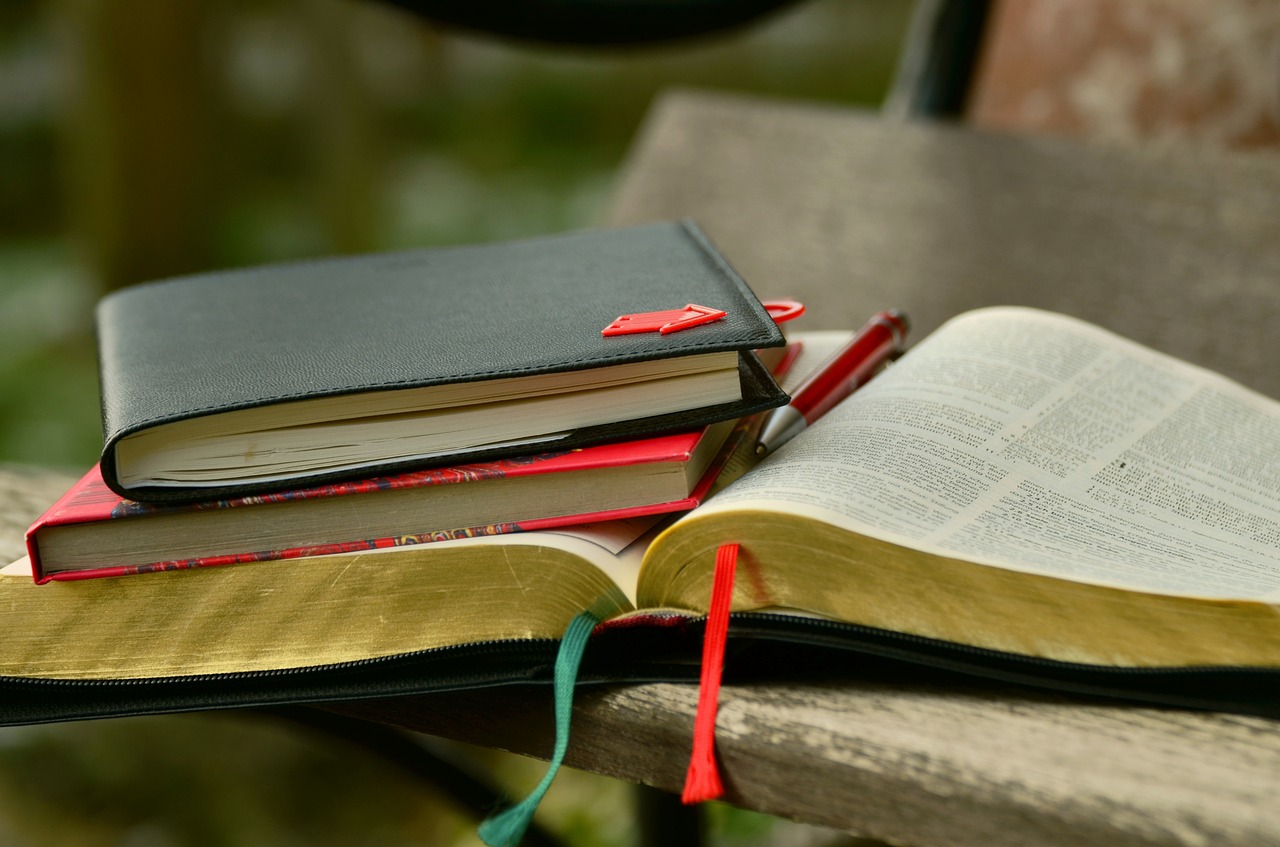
[90, 500]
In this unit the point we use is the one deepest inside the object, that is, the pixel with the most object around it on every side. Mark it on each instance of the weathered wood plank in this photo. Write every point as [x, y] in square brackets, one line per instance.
[1173, 247]
[912, 763]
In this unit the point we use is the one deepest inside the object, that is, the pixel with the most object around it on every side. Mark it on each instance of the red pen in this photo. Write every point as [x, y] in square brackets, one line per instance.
[836, 379]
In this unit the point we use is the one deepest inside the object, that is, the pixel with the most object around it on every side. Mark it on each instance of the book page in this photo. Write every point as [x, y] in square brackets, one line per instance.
[616, 547]
[1035, 442]
[305, 612]
[619, 546]
[20, 568]
[812, 349]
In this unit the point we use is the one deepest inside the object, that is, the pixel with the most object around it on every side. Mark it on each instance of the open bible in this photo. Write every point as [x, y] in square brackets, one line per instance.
[1024, 482]
[1021, 495]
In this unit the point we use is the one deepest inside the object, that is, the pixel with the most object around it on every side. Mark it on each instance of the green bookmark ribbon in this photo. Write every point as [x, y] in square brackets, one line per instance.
[507, 828]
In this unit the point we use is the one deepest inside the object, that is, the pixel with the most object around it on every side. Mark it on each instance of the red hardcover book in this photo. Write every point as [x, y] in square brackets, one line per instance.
[93, 532]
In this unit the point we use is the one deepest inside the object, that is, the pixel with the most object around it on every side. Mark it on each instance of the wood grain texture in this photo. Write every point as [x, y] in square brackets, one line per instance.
[909, 763]
[1175, 248]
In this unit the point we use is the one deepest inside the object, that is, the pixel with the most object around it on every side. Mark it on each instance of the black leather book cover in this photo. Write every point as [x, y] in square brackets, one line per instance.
[211, 343]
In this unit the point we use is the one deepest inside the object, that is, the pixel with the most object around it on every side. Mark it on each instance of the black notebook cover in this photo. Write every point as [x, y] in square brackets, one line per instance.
[217, 342]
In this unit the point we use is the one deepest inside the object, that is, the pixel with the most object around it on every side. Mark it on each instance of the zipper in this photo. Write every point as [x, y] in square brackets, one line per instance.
[788, 622]
[1232, 688]
[1242, 689]
[511, 648]
[776, 625]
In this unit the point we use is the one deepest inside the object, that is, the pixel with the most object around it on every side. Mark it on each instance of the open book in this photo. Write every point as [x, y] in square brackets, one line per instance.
[1022, 495]
[1023, 482]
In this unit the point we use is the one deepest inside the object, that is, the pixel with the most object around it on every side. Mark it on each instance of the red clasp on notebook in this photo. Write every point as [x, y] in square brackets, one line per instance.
[671, 320]
[783, 310]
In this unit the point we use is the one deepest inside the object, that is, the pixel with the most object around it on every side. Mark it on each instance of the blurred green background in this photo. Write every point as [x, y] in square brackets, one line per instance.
[147, 138]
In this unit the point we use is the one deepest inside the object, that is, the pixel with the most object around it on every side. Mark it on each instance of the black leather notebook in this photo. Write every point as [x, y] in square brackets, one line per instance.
[259, 379]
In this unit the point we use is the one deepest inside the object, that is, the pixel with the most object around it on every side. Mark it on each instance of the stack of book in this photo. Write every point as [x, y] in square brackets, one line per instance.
[321, 407]
[1022, 495]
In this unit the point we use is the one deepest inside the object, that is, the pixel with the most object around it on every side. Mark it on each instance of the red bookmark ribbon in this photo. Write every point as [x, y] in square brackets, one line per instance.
[702, 781]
